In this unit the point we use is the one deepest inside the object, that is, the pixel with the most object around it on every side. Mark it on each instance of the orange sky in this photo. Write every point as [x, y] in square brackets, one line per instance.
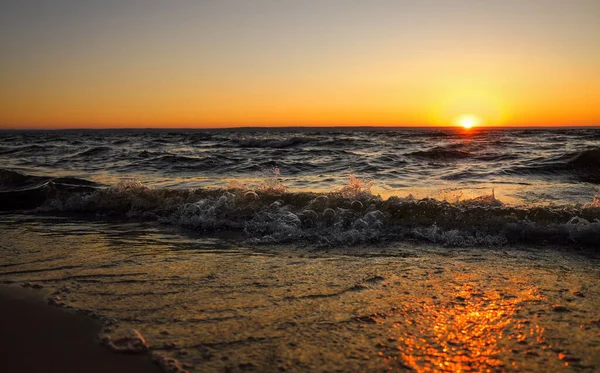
[269, 63]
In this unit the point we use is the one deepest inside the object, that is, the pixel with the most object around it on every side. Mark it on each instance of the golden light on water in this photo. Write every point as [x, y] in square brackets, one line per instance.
[469, 333]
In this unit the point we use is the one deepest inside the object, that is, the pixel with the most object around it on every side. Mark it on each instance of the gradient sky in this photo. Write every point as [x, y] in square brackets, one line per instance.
[147, 63]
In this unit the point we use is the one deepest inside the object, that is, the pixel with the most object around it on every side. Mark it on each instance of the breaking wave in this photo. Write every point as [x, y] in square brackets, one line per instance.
[349, 215]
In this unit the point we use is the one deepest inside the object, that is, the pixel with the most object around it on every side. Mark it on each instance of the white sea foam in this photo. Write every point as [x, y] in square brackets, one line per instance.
[347, 215]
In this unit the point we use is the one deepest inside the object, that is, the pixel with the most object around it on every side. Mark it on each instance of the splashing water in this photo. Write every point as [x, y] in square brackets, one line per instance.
[356, 188]
[350, 215]
[273, 185]
[595, 201]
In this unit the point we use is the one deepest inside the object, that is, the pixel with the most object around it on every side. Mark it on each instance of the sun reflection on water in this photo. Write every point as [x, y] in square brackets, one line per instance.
[467, 333]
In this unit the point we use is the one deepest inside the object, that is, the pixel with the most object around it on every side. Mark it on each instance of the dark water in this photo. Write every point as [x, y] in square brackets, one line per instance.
[526, 176]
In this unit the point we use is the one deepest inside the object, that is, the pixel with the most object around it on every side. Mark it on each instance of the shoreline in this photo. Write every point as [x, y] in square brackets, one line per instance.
[207, 304]
[37, 337]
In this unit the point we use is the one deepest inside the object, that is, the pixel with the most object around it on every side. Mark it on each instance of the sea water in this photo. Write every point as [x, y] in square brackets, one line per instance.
[316, 249]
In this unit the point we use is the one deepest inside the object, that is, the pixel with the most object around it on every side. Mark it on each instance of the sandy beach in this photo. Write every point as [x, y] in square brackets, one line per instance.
[37, 337]
[215, 305]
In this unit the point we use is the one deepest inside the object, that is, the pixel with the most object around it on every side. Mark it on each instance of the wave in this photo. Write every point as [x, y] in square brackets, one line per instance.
[273, 143]
[350, 215]
[417, 133]
[496, 157]
[441, 153]
[183, 163]
[26, 149]
[13, 180]
[587, 159]
[289, 142]
[583, 165]
[94, 151]
[19, 191]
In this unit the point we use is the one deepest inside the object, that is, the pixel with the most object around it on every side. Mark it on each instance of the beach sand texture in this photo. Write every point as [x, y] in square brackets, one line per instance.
[39, 338]
[215, 305]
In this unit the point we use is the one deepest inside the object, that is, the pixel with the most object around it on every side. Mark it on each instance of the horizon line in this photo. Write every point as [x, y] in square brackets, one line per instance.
[293, 127]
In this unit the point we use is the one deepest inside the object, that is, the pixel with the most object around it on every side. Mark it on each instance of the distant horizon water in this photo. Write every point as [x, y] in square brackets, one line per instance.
[290, 127]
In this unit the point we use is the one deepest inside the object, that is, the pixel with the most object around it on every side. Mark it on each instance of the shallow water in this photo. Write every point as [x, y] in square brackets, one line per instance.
[217, 304]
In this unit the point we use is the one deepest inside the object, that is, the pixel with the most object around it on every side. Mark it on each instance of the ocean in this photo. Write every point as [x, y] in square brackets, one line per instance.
[329, 186]
[538, 166]
[316, 249]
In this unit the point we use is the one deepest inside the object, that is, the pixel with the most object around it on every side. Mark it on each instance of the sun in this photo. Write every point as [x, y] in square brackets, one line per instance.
[467, 121]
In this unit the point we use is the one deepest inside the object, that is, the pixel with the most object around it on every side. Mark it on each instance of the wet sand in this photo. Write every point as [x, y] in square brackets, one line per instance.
[216, 305]
[39, 338]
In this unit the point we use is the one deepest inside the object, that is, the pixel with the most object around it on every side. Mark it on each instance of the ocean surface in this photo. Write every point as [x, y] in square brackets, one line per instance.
[305, 250]
[346, 185]
[532, 166]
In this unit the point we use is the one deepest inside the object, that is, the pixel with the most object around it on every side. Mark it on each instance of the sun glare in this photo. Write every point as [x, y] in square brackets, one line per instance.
[467, 121]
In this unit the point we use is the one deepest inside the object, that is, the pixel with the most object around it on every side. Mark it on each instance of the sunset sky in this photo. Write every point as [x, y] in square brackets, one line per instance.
[147, 63]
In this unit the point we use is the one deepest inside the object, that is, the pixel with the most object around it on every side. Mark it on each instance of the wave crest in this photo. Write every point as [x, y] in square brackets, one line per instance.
[350, 215]
[441, 152]
[583, 165]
